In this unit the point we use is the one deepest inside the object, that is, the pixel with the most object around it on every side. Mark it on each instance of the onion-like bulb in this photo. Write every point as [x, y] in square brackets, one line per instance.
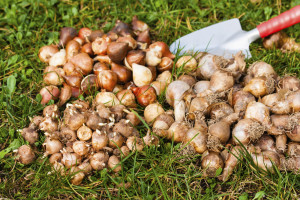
[127, 98]
[270, 99]
[123, 127]
[266, 159]
[107, 80]
[240, 100]
[51, 111]
[261, 68]
[70, 159]
[161, 82]
[208, 65]
[197, 139]
[281, 141]
[25, 154]
[294, 101]
[201, 86]
[58, 59]
[122, 152]
[152, 111]
[98, 160]
[52, 146]
[134, 143]
[176, 91]
[114, 163]
[198, 104]
[67, 135]
[107, 98]
[81, 148]
[150, 140]
[65, 94]
[187, 63]
[219, 132]
[30, 135]
[290, 83]
[74, 120]
[99, 140]
[84, 133]
[177, 131]
[231, 162]
[221, 81]
[281, 107]
[179, 111]
[53, 75]
[266, 143]
[293, 149]
[217, 111]
[260, 86]
[77, 175]
[211, 162]
[56, 157]
[46, 52]
[258, 111]
[294, 135]
[141, 75]
[48, 93]
[83, 62]
[85, 167]
[293, 164]
[246, 131]
[162, 124]
[115, 139]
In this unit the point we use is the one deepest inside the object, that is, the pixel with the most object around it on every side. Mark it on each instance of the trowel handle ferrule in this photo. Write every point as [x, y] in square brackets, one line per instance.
[282, 21]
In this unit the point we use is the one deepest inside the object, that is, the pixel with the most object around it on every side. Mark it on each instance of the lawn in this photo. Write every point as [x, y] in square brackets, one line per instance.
[156, 172]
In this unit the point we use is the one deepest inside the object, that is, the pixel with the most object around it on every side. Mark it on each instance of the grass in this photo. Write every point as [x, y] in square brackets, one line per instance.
[156, 172]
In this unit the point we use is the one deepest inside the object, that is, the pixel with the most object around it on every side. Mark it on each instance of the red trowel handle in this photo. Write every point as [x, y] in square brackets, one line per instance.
[282, 21]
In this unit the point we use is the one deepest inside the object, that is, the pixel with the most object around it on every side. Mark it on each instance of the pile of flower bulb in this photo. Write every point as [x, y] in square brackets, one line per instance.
[221, 110]
[85, 138]
[91, 60]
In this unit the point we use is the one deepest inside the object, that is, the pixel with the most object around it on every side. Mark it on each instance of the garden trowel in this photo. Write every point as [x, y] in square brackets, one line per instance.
[227, 38]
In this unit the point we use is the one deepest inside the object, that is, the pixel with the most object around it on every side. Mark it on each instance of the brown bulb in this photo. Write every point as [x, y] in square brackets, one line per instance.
[48, 93]
[122, 29]
[145, 95]
[124, 75]
[83, 62]
[66, 34]
[87, 48]
[65, 94]
[165, 64]
[95, 34]
[135, 56]
[99, 45]
[73, 81]
[26, 154]
[138, 25]
[79, 40]
[85, 33]
[46, 52]
[72, 49]
[117, 51]
[126, 98]
[89, 84]
[190, 80]
[130, 40]
[70, 69]
[53, 75]
[144, 37]
[100, 67]
[112, 35]
[107, 80]
[163, 48]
